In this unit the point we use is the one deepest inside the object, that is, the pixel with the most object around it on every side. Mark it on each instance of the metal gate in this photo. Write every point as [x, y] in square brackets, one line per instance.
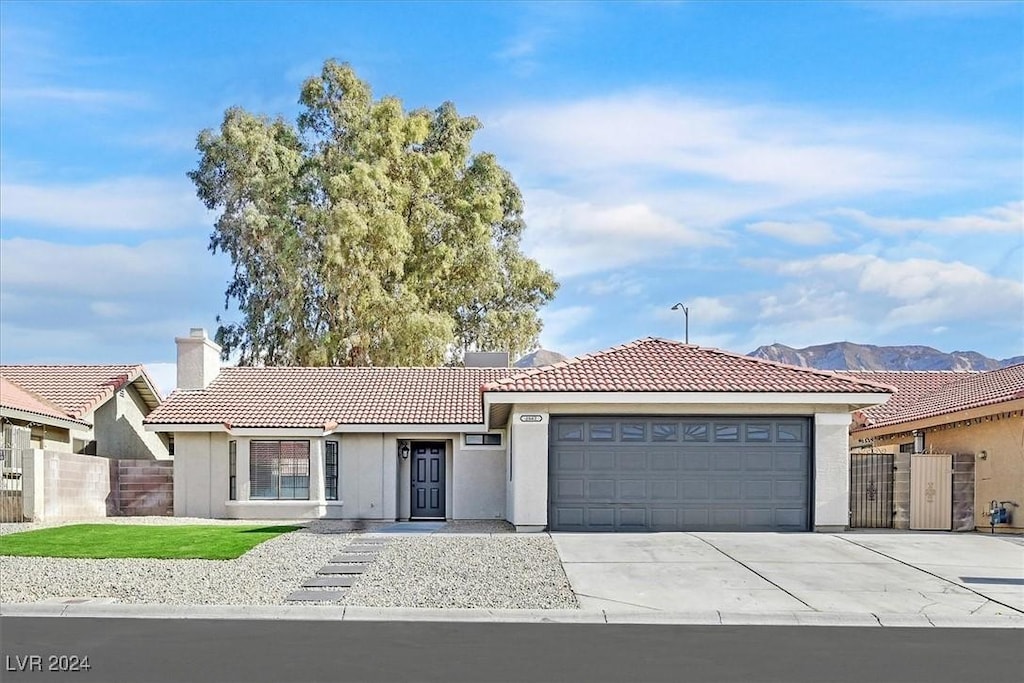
[871, 477]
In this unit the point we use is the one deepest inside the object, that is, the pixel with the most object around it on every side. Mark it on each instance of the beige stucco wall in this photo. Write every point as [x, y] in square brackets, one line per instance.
[54, 438]
[831, 471]
[118, 429]
[999, 475]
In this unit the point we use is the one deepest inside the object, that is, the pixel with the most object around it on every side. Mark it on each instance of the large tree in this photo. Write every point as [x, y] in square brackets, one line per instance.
[366, 234]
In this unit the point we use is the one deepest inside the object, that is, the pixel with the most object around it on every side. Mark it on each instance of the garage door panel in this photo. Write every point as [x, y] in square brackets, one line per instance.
[601, 490]
[570, 489]
[664, 489]
[757, 490]
[727, 489]
[633, 489]
[791, 461]
[664, 473]
[758, 461]
[632, 461]
[632, 519]
[727, 462]
[793, 489]
[598, 517]
[570, 460]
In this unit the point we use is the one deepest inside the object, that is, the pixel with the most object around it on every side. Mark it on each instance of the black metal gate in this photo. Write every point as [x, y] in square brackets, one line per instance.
[871, 477]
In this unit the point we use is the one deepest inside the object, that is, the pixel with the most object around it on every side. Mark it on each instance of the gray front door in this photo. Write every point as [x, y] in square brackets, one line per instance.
[428, 480]
[620, 473]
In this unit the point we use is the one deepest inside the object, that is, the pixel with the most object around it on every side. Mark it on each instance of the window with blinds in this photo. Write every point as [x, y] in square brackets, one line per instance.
[331, 470]
[279, 470]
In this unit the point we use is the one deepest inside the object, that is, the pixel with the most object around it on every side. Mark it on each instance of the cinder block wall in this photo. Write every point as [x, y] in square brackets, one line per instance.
[74, 486]
[901, 492]
[963, 492]
[143, 487]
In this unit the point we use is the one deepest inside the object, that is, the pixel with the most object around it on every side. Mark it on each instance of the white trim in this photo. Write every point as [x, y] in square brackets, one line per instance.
[842, 419]
[855, 400]
[409, 428]
[318, 431]
[52, 421]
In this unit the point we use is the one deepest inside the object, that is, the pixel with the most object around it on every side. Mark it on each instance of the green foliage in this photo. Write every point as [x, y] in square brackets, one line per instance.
[366, 234]
[97, 541]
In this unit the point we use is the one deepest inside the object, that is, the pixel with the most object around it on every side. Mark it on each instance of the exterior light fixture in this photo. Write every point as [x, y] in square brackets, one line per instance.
[404, 450]
[686, 315]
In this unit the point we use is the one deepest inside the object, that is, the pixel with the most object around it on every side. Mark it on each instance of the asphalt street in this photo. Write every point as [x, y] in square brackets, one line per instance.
[199, 650]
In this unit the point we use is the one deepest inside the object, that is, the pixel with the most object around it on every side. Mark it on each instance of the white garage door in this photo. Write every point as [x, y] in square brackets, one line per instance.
[679, 474]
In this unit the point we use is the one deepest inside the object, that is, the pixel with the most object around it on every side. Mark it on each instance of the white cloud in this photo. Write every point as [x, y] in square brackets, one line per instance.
[575, 237]
[808, 233]
[909, 292]
[104, 303]
[71, 96]
[131, 204]
[803, 153]
[616, 283]
[1007, 218]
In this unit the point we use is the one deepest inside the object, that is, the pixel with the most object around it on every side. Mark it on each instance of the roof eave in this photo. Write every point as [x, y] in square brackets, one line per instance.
[49, 420]
[938, 419]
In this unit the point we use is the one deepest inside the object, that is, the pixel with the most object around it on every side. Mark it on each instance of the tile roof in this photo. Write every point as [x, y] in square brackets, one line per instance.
[911, 386]
[15, 397]
[975, 390]
[315, 397]
[77, 389]
[657, 365]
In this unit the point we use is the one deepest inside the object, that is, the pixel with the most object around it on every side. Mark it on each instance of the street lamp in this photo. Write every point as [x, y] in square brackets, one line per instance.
[686, 315]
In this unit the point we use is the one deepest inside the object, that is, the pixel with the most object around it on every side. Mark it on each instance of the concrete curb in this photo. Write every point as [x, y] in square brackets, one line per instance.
[350, 613]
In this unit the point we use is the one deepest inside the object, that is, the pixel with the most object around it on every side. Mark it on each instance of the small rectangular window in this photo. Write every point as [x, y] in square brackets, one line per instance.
[483, 439]
[759, 432]
[331, 470]
[602, 431]
[695, 431]
[232, 469]
[570, 431]
[727, 432]
[634, 431]
[789, 432]
[664, 432]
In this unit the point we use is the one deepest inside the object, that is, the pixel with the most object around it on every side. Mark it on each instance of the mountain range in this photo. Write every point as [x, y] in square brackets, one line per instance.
[844, 356]
[851, 356]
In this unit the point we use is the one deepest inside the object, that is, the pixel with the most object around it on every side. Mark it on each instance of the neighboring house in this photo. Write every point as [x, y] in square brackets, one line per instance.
[21, 411]
[652, 435]
[88, 409]
[976, 417]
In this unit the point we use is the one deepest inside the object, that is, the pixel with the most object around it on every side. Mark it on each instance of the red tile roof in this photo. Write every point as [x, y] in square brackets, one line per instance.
[18, 398]
[659, 365]
[911, 386]
[77, 389]
[315, 397]
[975, 390]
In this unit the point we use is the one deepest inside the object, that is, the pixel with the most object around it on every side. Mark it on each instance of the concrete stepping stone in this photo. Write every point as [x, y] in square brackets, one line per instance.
[342, 569]
[338, 581]
[354, 557]
[315, 596]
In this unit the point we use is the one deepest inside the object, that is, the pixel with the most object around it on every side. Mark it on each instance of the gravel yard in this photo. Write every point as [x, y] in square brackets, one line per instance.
[436, 570]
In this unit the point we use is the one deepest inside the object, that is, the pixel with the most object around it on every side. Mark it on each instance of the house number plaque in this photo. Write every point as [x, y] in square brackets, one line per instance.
[531, 418]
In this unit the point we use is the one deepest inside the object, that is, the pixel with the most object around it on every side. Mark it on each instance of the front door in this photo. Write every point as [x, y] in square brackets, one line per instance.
[427, 481]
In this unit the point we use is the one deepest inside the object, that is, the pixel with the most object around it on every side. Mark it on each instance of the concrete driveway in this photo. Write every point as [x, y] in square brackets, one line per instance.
[878, 573]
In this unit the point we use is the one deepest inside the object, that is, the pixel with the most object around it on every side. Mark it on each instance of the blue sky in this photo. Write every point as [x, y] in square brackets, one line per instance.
[797, 173]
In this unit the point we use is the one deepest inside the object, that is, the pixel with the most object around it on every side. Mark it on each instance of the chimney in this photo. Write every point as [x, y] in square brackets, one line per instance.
[198, 360]
[486, 359]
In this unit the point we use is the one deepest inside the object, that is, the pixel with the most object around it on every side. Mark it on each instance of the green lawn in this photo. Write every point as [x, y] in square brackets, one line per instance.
[96, 541]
